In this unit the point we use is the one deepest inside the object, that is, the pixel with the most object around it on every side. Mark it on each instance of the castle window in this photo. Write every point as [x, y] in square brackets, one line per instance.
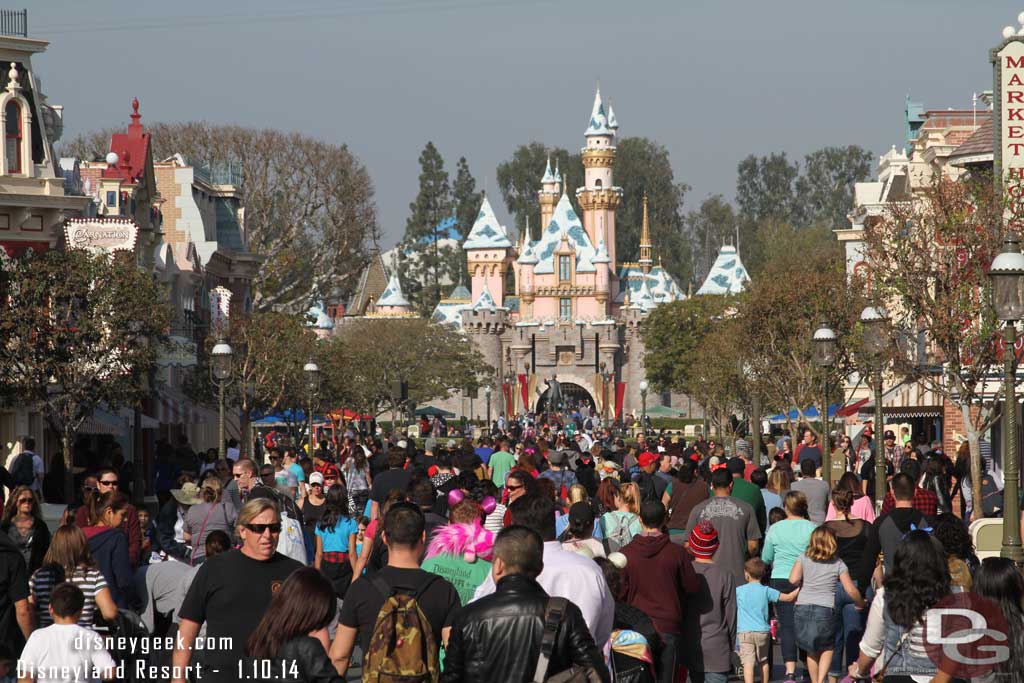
[510, 281]
[565, 309]
[598, 183]
[564, 268]
[12, 137]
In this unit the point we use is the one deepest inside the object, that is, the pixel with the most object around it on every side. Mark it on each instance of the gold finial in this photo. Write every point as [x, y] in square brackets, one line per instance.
[645, 241]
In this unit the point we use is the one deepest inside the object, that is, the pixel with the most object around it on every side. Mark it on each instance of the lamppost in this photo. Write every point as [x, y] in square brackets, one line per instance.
[643, 406]
[312, 372]
[1007, 274]
[825, 357]
[220, 369]
[876, 342]
[607, 377]
[487, 395]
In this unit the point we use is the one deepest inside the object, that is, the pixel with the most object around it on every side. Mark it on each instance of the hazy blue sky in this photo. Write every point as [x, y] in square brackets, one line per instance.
[711, 80]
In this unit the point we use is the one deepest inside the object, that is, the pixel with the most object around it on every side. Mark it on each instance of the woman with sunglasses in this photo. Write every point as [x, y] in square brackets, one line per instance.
[109, 546]
[23, 523]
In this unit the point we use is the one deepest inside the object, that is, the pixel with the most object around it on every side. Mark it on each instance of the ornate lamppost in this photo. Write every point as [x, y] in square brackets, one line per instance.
[876, 342]
[220, 370]
[487, 395]
[607, 377]
[825, 357]
[643, 406]
[1007, 275]
[312, 372]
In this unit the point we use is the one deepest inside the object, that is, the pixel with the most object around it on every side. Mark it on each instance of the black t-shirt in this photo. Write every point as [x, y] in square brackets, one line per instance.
[230, 593]
[386, 481]
[363, 601]
[867, 473]
[13, 587]
[311, 514]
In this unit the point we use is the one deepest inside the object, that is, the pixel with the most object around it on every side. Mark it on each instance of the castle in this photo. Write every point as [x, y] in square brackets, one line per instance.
[563, 305]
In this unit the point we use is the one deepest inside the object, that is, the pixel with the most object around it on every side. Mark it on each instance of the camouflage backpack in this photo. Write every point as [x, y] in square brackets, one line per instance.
[402, 647]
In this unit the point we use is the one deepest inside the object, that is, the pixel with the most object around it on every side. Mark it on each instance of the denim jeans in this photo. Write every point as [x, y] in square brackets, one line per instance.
[849, 629]
[668, 658]
[709, 676]
[787, 627]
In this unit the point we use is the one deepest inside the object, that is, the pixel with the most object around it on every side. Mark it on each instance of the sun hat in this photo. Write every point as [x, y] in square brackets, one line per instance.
[704, 540]
[188, 494]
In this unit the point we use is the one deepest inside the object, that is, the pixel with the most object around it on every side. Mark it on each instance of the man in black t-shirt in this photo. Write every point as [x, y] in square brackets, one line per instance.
[15, 612]
[404, 535]
[867, 475]
[391, 479]
[230, 593]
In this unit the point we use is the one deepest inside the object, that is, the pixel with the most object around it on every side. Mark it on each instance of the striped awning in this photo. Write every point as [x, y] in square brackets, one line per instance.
[103, 423]
[180, 411]
[905, 400]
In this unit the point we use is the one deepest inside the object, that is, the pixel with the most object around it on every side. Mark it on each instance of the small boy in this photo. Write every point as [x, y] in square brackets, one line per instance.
[53, 651]
[752, 600]
[713, 607]
[150, 544]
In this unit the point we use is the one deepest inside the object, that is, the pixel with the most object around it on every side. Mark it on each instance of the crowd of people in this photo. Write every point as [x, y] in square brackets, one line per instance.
[548, 548]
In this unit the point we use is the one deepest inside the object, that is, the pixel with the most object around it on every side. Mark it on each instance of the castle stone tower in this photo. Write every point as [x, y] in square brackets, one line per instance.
[599, 197]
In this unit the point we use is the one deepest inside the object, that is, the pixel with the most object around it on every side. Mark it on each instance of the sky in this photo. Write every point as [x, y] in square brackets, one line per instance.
[711, 80]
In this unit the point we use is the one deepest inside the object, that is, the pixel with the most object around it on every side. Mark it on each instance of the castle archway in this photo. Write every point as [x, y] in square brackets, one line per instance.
[573, 396]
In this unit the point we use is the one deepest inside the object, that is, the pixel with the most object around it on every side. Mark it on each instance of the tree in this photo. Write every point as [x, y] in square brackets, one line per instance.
[309, 205]
[519, 181]
[717, 380]
[708, 228]
[765, 188]
[643, 166]
[825, 189]
[777, 321]
[79, 331]
[672, 334]
[432, 205]
[467, 205]
[927, 264]
[381, 353]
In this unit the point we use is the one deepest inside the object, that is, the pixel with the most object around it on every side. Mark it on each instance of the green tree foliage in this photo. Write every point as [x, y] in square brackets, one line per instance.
[519, 181]
[717, 379]
[433, 359]
[432, 261]
[309, 205]
[672, 333]
[825, 189]
[79, 332]
[642, 165]
[467, 205]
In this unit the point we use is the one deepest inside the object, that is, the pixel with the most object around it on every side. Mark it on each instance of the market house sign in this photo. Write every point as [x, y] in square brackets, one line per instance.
[101, 235]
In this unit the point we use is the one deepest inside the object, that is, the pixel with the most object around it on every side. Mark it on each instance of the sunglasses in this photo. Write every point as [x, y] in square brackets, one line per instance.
[266, 474]
[316, 483]
[110, 483]
[88, 488]
[26, 500]
[237, 475]
[330, 479]
[513, 488]
[258, 529]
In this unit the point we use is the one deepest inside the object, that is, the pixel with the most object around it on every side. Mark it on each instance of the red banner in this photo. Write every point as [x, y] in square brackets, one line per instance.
[524, 390]
[620, 397]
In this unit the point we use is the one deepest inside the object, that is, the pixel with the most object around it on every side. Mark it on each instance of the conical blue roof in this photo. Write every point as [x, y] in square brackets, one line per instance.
[727, 275]
[549, 177]
[564, 220]
[485, 300]
[487, 232]
[598, 118]
[393, 296]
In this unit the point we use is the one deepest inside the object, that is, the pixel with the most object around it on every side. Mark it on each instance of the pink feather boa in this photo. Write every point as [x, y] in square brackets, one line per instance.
[468, 540]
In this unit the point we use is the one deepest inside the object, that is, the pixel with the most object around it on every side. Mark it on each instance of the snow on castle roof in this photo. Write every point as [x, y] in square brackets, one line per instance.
[727, 275]
[487, 232]
[564, 220]
[393, 296]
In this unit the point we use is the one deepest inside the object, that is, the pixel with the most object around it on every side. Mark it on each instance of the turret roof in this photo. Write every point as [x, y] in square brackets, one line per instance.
[485, 301]
[487, 232]
[602, 254]
[549, 177]
[727, 275]
[564, 220]
[393, 295]
[612, 121]
[528, 257]
[321, 320]
[598, 118]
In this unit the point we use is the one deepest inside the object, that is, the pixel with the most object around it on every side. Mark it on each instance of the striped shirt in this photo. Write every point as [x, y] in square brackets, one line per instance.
[90, 581]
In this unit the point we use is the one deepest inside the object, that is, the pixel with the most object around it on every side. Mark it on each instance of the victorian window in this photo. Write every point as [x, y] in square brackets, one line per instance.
[12, 137]
[565, 309]
[564, 268]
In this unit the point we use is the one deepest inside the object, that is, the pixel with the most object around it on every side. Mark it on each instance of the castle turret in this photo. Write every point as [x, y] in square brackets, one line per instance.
[526, 262]
[646, 260]
[551, 189]
[392, 301]
[488, 253]
[599, 198]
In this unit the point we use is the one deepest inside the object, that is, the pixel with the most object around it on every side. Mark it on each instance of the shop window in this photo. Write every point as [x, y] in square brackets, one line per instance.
[12, 136]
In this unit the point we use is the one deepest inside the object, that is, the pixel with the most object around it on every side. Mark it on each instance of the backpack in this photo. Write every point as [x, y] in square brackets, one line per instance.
[991, 496]
[402, 645]
[648, 490]
[617, 537]
[22, 470]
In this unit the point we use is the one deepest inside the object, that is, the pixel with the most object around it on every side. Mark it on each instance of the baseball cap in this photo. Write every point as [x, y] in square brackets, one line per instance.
[704, 540]
[889, 435]
[647, 458]
[316, 478]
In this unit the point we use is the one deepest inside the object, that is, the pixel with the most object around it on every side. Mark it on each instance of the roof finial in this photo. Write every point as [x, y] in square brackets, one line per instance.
[645, 241]
[135, 126]
[12, 84]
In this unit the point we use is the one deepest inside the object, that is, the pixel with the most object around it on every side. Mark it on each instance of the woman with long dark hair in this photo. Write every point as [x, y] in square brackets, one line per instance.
[894, 634]
[109, 545]
[861, 506]
[936, 481]
[852, 534]
[999, 580]
[292, 635]
[336, 541]
[23, 523]
[956, 541]
[358, 479]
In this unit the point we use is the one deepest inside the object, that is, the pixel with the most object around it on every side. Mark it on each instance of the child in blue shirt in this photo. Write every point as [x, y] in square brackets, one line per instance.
[752, 629]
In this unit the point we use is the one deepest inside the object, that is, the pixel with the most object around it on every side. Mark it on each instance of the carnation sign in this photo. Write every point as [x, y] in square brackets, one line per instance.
[101, 235]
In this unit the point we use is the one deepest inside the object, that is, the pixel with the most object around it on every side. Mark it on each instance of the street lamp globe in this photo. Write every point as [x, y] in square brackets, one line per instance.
[643, 386]
[312, 372]
[876, 336]
[221, 355]
[1007, 274]
[824, 347]
[487, 391]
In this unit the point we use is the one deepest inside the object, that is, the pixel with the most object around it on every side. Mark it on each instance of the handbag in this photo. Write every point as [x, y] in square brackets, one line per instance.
[877, 677]
[554, 613]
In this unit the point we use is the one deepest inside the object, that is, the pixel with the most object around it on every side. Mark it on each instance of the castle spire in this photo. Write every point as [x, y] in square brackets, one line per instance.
[645, 241]
[548, 176]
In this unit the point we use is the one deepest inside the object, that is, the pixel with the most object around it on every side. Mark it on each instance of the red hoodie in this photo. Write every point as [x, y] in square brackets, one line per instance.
[658, 570]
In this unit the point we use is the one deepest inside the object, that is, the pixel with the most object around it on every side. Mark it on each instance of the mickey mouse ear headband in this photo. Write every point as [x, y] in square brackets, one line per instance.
[456, 496]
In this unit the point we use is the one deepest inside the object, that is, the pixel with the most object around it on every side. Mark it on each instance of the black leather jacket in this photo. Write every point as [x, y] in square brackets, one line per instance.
[302, 659]
[497, 638]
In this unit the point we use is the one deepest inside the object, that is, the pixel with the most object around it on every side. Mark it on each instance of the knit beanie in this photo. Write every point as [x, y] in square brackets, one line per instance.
[704, 540]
